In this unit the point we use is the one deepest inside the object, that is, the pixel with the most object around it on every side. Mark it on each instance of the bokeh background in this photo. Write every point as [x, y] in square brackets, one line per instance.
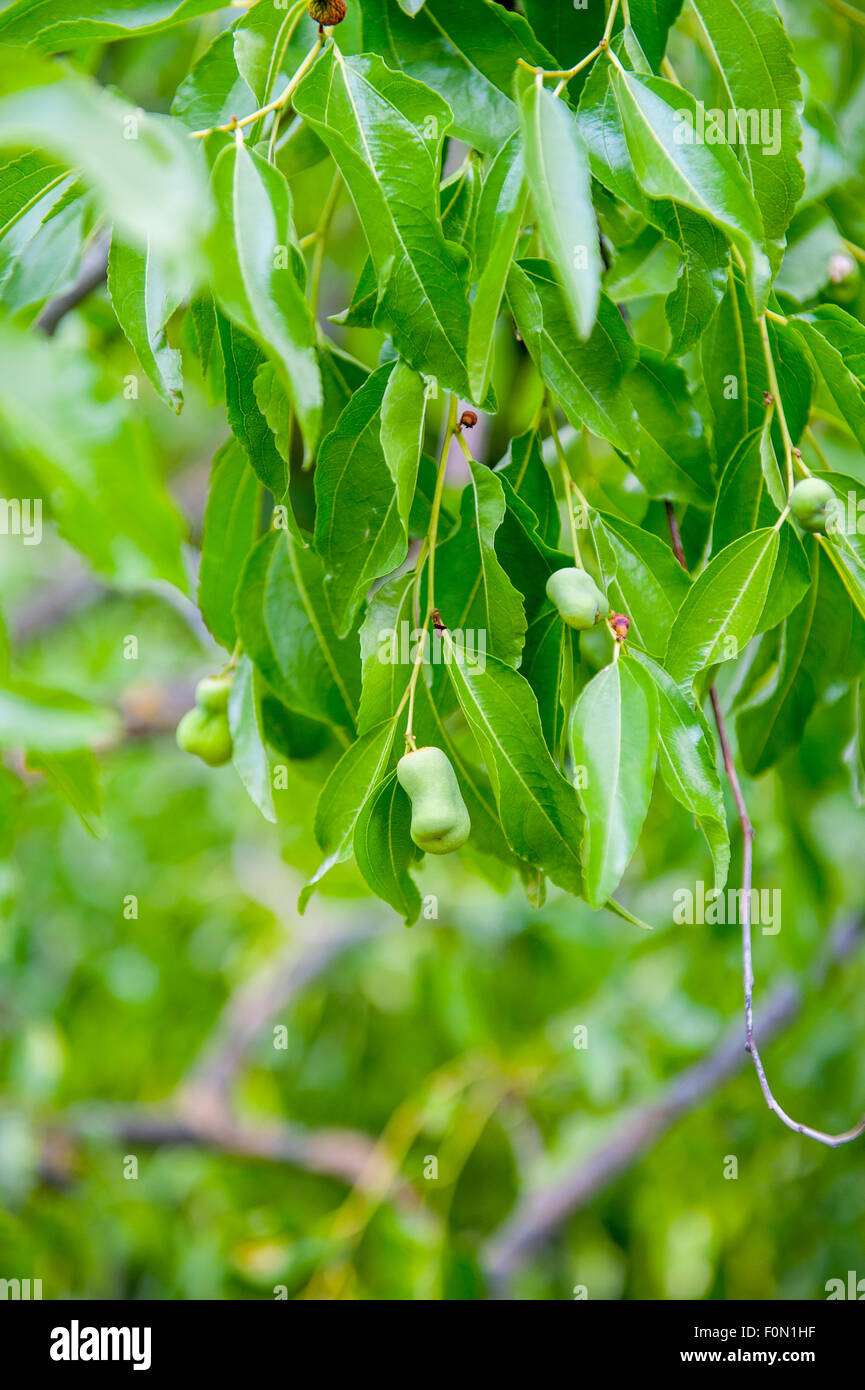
[334, 1106]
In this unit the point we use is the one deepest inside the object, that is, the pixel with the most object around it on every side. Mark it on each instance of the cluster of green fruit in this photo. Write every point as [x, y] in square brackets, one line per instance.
[204, 730]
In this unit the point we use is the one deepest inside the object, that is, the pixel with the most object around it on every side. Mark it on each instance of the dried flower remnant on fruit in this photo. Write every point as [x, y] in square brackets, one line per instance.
[327, 12]
[620, 623]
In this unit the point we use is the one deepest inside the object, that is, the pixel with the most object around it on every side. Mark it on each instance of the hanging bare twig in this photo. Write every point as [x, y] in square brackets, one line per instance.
[832, 1140]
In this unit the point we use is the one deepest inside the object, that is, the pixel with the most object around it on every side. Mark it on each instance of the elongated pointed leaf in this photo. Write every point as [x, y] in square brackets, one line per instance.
[403, 415]
[586, 377]
[723, 607]
[538, 808]
[502, 210]
[358, 531]
[144, 302]
[384, 850]
[837, 342]
[285, 626]
[254, 275]
[614, 738]
[250, 755]
[641, 578]
[754, 59]
[557, 170]
[61, 24]
[230, 529]
[385, 132]
[688, 763]
[658, 117]
[473, 593]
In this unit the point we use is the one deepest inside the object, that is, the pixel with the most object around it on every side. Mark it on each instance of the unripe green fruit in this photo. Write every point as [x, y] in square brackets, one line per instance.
[577, 598]
[206, 735]
[809, 501]
[212, 693]
[440, 821]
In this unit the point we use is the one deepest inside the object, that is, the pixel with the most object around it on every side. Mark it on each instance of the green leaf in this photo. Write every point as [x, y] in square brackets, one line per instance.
[214, 90]
[52, 721]
[524, 468]
[230, 530]
[385, 132]
[250, 755]
[844, 542]
[702, 274]
[473, 592]
[360, 769]
[548, 654]
[501, 212]
[285, 626]
[734, 370]
[614, 739]
[651, 21]
[585, 377]
[758, 74]
[254, 275]
[723, 607]
[566, 30]
[143, 302]
[467, 53]
[358, 531]
[557, 170]
[702, 176]
[148, 177]
[538, 808]
[823, 640]
[384, 849]
[387, 648]
[671, 454]
[403, 417]
[641, 577]
[242, 361]
[837, 343]
[59, 24]
[743, 505]
[688, 763]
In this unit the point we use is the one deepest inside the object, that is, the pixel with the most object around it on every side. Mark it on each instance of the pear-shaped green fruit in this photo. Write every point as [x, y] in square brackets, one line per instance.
[206, 735]
[809, 502]
[577, 598]
[212, 693]
[440, 821]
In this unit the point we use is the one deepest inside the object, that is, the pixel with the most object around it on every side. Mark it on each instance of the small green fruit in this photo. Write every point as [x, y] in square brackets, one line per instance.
[577, 598]
[440, 821]
[212, 693]
[810, 502]
[206, 735]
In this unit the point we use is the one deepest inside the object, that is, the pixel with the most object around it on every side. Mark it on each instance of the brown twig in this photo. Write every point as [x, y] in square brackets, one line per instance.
[538, 1217]
[94, 268]
[831, 1140]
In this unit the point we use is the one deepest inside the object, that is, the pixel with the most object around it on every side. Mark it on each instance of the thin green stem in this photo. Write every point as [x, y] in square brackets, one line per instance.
[430, 544]
[818, 450]
[779, 404]
[321, 240]
[565, 74]
[275, 105]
